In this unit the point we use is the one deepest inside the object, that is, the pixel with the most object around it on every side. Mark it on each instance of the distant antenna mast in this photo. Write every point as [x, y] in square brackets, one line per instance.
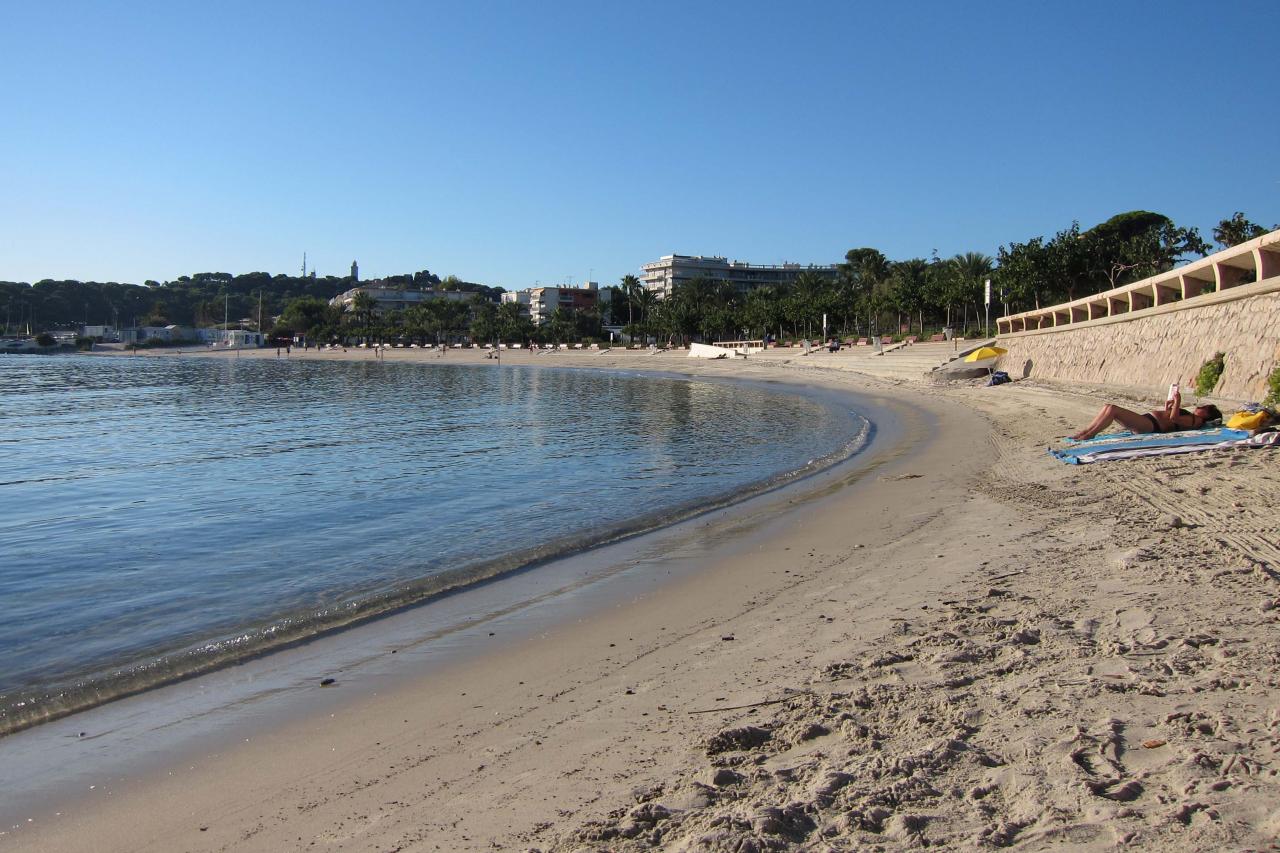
[304, 264]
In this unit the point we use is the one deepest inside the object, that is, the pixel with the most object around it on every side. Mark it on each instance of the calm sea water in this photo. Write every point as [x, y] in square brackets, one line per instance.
[159, 516]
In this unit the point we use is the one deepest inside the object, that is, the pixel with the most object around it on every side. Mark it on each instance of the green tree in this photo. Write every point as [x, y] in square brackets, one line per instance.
[863, 272]
[761, 310]
[363, 306]
[908, 282]
[419, 322]
[631, 290]
[971, 271]
[451, 318]
[561, 325]
[1236, 230]
[307, 316]
[511, 324]
[806, 301]
[484, 320]
[645, 301]
[1138, 244]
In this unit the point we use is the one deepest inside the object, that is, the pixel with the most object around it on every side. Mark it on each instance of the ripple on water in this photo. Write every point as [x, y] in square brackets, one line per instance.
[164, 514]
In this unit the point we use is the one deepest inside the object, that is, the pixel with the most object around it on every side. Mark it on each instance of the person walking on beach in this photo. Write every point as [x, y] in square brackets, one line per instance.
[1170, 419]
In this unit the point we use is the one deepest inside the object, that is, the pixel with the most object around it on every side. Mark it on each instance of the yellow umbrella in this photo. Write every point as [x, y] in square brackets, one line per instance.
[985, 353]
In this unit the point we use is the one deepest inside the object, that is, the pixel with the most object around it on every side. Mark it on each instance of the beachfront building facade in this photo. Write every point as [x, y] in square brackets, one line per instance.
[174, 334]
[662, 276]
[100, 332]
[397, 298]
[541, 302]
[170, 333]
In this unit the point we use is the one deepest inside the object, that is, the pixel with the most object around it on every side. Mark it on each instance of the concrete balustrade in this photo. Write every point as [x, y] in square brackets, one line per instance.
[1249, 263]
[1161, 329]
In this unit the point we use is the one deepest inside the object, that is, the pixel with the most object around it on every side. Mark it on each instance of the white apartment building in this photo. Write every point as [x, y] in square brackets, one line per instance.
[540, 302]
[397, 299]
[662, 275]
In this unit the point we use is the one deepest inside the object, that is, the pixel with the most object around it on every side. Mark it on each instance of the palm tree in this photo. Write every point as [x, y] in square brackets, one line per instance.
[363, 305]
[865, 270]
[759, 310]
[561, 324]
[645, 301]
[631, 289]
[909, 281]
[451, 317]
[812, 297]
[971, 270]
[511, 324]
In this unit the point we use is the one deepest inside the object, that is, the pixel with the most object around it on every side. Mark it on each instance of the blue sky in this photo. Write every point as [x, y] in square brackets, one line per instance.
[514, 143]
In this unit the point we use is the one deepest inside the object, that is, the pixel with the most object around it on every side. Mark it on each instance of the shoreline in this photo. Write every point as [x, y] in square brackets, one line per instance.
[915, 675]
[281, 632]
[730, 514]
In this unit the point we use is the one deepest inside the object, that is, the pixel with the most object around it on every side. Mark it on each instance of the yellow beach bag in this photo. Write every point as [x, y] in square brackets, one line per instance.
[1248, 420]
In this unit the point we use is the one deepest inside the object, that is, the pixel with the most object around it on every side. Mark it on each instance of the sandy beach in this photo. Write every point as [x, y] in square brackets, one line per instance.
[957, 642]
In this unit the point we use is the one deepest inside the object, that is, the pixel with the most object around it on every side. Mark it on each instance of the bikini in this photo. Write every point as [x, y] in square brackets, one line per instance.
[1155, 424]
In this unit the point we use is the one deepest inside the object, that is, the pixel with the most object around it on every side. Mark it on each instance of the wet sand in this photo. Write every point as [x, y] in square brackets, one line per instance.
[956, 642]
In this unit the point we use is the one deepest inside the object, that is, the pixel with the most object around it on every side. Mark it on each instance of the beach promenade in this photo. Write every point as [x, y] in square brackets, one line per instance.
[955, 641]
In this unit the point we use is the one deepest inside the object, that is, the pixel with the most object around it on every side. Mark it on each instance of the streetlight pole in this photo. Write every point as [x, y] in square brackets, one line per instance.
[986, 326]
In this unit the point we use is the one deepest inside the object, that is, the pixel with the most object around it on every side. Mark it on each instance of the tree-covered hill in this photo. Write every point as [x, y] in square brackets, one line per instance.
[196, 300]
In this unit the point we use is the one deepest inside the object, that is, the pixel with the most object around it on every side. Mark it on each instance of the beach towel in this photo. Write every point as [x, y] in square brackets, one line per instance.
[1085, 453]
[1208, 434]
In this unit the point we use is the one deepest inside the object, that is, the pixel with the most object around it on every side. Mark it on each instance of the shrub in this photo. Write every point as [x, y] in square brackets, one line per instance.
[1210, 373]
[45, 339]
[1273, 389]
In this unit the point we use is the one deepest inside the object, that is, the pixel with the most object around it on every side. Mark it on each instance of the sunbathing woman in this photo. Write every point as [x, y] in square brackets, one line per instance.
[1171, 419]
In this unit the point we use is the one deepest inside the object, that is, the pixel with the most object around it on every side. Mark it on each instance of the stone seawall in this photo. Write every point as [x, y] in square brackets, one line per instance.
[1152, 348]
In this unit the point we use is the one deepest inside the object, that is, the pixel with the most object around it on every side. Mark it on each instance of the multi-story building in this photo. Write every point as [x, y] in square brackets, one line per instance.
[396, 299]
[540, 302]
[664, 274]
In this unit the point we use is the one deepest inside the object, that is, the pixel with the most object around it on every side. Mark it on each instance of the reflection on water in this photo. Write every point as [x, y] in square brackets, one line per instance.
[163, 504]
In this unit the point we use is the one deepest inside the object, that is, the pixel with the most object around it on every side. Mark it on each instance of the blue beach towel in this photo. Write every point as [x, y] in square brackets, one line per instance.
[1129, 445]
[1108, 438]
